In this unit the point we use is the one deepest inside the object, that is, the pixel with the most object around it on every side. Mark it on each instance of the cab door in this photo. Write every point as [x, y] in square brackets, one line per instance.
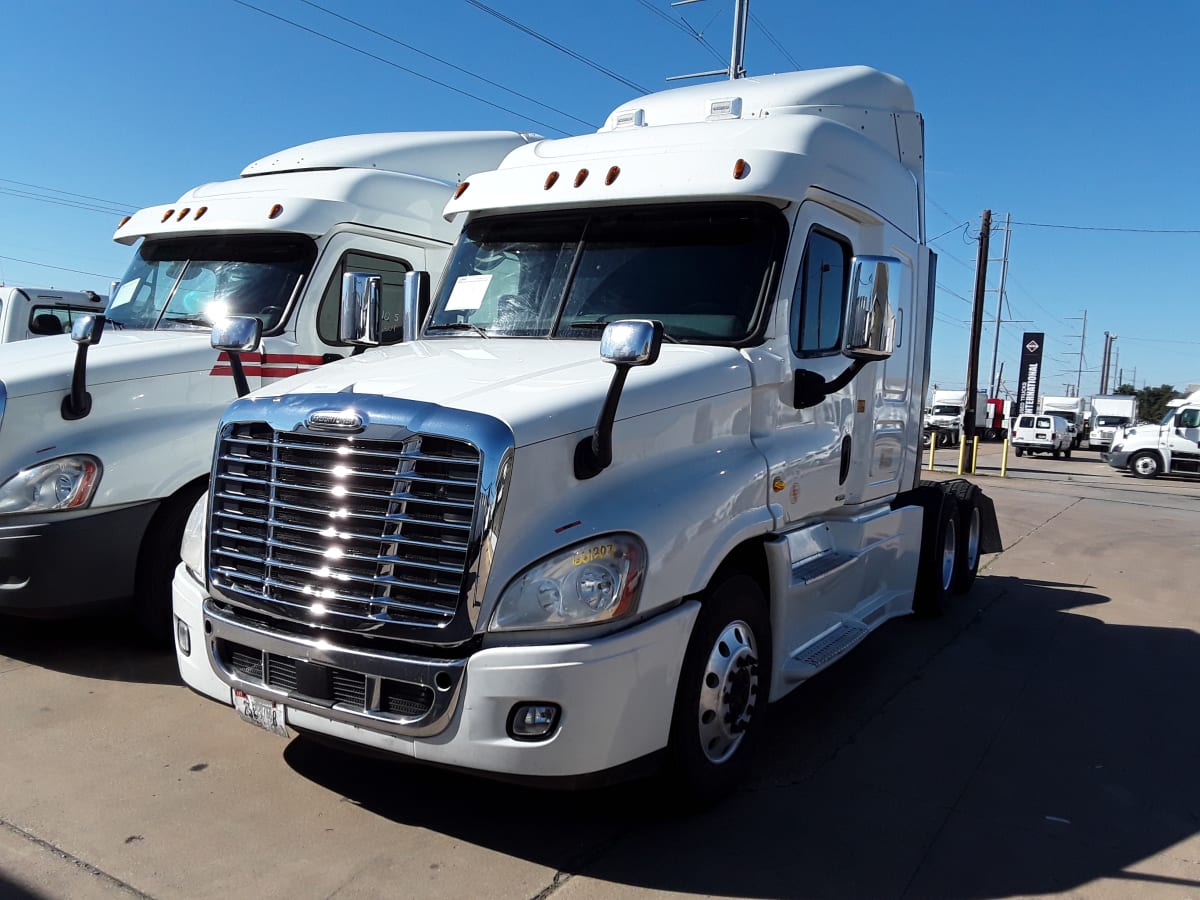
[1182, 439]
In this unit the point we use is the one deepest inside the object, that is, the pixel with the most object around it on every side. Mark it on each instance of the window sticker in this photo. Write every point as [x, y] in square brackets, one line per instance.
[468, 292]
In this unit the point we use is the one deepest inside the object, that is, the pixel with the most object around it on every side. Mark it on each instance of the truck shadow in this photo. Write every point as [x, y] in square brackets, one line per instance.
[108, 648]
[1015, 746]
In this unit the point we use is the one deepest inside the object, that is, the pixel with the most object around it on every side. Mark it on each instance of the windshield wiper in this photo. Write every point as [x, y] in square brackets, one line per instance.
[458, 326]
[115, 323]
[197, 319]
[600, 324]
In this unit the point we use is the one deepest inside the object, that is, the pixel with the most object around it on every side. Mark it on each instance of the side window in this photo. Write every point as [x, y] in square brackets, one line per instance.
[54, 319]
[820, 295]
[1044, 423]
[1189, 418]
[390, 270]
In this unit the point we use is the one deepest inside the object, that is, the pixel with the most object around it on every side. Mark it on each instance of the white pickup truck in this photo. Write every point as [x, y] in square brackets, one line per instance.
[105, 444]
[653, 462]
[27, 312]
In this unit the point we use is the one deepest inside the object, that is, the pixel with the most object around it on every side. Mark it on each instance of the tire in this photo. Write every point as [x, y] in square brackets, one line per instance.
[1019, 451]
[725, 676]
[157, 560]
[989, 434]
[1145, 464]
[969, 526]
[938, 560]
[1056, 453]
[1067, 454]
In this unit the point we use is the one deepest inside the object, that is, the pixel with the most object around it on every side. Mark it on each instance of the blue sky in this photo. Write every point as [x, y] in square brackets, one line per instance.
[1060, 113]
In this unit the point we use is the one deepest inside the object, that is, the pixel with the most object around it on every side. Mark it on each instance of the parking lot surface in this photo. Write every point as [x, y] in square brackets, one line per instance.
[1040, 739]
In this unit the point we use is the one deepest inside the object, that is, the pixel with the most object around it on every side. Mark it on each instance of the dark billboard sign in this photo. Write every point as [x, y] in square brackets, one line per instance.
[1031, 371]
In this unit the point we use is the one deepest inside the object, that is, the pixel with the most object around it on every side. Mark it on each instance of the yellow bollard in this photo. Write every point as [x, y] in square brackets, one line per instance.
[932, 447]
[962, 453]
[1004, 460]
[975, 455]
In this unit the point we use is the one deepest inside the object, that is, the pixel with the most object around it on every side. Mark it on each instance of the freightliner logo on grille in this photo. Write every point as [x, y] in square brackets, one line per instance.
[335, 420]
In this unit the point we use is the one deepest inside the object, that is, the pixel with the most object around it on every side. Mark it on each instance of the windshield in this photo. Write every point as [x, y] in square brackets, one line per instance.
[1112, 421]
[945, 410]
[703, 271]
[191, 282]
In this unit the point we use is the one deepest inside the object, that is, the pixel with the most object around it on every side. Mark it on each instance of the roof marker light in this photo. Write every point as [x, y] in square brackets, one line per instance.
[461, 189]
[630, 118]
[276, 211]
[725, 108]
[581, 177]
[612, 175]
[741, 169]
[124, 221]
[550, 179]
[168, 214]
[200, 212]
[183, 212]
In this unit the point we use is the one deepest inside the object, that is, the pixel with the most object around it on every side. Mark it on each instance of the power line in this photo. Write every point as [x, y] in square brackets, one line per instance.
[59, 268]
[685, 28]
[770, 37]
[1115, 229]
[953, 293]
[951, 231]
[40, 187]
[396, 65]
[438, 59]
[557, 46]
[61, 201]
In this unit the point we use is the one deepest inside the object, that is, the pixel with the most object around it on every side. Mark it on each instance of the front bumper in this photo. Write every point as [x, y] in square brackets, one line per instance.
[616, 693]
[1118, 460]
[61, 563]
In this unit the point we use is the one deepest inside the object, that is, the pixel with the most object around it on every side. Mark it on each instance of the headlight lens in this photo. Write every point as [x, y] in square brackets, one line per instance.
[65, 483]
[192, 551]
[584, 584]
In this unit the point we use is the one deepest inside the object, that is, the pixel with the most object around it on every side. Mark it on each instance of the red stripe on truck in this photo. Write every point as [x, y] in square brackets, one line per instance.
[271, 365]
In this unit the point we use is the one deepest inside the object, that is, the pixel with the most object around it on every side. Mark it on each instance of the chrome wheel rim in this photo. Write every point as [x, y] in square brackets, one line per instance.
[949, 548]
[1145, 465]
[728, 692]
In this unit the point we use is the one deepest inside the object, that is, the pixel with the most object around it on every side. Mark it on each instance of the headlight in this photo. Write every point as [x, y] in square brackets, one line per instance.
[192, 551]
[66, 483]
[588, 583]
[1115, 448]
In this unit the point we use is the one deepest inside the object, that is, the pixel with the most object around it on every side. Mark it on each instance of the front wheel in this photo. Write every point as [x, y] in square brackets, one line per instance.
[722, 692]
[1145, 464]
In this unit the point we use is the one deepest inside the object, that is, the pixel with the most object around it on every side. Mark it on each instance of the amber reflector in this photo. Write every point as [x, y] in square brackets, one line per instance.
[183, 212]
[612, 175]
[550, 179]
[168, 214]
[740, 168]
[124, 220]
[461, 189]
[201, 211]
[276, 211]
[581, 177]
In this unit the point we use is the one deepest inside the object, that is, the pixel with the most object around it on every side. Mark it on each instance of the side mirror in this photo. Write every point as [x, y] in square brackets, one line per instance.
[625, 344]
[416, 304]
[874, 293]
[237, 335]
[85, 331]
[360, 315]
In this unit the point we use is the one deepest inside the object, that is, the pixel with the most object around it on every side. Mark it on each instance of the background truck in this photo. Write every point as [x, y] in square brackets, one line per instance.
[1171, 447]
[1073, 409]
[653, 462]
[27, 312]
[944, 421]
[104, 449]
[1110, 415]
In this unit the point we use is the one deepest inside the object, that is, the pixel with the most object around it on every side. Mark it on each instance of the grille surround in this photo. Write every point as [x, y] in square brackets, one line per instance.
[376, 532]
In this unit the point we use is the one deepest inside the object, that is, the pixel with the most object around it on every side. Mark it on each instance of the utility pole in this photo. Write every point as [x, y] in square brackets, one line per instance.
[985, 228]
[1082, 339]
[1000, 302]
[737, 55]
[1108, 342]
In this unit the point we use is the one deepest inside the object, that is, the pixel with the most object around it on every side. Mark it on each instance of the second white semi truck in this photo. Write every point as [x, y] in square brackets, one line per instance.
[652, 463]
[104, 443]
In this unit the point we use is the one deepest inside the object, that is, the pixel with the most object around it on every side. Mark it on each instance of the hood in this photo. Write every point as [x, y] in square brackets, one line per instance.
[541, 389]
[46, 364]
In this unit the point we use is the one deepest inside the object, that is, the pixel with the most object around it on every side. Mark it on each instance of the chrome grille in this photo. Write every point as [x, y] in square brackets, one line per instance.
[340, 531]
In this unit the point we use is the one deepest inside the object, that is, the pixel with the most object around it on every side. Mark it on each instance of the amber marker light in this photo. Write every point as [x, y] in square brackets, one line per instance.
[581, 177]
[168, 214]
[201, 211]
[612, 175]
[183, 212]
[124, 221]
[741, 169]
[276, 211]
[461, 189]
[550, 179]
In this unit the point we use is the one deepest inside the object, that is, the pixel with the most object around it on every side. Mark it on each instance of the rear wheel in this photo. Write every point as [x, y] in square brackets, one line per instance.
[939, 552]
[1019, 451]
[1056, 453]
[1067, 454]
[1145, 464]
[722, 692]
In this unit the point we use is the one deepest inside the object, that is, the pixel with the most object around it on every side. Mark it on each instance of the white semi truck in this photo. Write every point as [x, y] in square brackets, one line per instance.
[652, 463]
[947, 414]
[27, 312]
[1110, 415]
[1172, 447]
[104, 449]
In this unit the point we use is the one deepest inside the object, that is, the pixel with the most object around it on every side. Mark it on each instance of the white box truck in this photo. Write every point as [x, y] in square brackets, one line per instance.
[652, 463]
[947, 414]
[104, 449]
[1110, 415]
[1172, 447]
[27, 312]
[1073, 410]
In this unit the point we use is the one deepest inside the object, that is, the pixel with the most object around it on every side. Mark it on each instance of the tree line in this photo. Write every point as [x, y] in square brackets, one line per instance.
[1152, 401]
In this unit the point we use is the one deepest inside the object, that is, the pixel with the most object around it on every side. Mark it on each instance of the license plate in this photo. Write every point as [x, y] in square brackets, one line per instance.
[1041, 437]
[263, 713]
